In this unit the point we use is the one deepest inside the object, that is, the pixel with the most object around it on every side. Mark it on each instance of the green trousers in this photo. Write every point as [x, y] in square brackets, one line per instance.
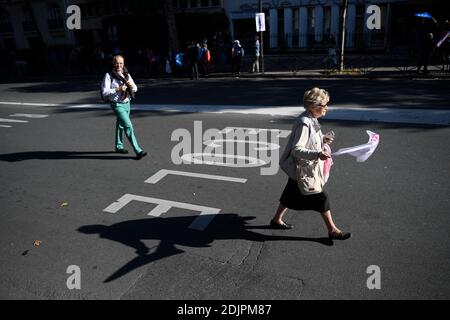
[123, 123]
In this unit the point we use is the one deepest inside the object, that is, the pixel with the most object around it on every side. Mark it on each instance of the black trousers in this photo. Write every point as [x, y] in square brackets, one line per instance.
[194, 70]
[237, 64]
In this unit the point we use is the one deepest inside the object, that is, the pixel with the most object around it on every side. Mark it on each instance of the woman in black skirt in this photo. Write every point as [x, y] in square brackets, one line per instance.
[306, 144]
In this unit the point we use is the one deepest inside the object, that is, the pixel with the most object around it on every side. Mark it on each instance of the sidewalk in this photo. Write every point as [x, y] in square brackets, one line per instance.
[367, 66]
[379, 73]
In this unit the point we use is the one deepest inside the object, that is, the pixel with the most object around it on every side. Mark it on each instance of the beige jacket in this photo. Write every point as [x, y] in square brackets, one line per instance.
[304, 145]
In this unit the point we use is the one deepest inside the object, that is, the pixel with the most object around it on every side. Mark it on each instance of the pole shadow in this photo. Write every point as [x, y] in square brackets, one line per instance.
[173, 231]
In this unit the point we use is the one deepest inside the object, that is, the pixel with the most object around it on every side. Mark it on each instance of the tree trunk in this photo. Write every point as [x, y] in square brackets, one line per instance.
[171, 25]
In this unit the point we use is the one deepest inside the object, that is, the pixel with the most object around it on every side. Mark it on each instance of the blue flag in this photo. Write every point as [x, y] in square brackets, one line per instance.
[423, 15]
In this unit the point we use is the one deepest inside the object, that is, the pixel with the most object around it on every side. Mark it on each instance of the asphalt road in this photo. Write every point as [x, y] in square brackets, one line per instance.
[357, 92]
[60, 178]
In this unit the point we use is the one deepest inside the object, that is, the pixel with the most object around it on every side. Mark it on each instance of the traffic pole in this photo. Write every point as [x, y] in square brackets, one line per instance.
[261, 42]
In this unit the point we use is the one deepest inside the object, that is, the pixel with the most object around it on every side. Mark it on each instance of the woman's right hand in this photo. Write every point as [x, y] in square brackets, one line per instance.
[121, 88]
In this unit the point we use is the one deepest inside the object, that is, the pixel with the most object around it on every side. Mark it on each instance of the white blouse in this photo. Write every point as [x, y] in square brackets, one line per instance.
[109, 86]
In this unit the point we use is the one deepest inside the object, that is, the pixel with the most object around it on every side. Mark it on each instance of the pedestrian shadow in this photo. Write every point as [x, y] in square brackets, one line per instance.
[175, 231]
[61, 155]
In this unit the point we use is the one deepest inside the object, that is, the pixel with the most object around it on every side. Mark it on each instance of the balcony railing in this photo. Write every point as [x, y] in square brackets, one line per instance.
[319, 42]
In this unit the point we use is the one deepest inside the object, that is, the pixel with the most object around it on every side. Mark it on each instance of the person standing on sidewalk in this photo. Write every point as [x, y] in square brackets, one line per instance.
[305, 145]
[427, 48]
[332, 52]
[256, 54]
[205, 58]
[118, 88]
[237, 52]
[193, 53]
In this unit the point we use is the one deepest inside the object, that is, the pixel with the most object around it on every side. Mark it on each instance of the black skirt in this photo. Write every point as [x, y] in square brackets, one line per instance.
[293, 199]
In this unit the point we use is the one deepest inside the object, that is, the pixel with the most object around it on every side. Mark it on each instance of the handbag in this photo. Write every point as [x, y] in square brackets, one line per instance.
[309, 172]
[309, 178]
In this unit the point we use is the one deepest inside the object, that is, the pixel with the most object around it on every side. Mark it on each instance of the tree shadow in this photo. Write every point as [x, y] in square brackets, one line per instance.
[175, 231]
[271, 92]
[61, 155]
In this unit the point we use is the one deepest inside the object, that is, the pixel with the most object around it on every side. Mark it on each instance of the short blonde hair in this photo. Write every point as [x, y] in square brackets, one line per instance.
[116, 57]
[315, 97]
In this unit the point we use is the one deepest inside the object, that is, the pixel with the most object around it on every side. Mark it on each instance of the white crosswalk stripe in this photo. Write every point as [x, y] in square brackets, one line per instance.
[21, 115]
[12, 120]
[29, 115]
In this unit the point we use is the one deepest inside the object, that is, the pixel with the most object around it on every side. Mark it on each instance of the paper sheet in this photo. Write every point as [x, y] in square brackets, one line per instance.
[361, 152]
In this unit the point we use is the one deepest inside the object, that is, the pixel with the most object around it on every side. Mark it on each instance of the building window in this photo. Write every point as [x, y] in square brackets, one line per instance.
[311, 19]
[27, 22]
[282, 42]
[327, 20]
[54, 17]
[215, 3]
[296, 16]
[183, 4]
[5, 21]
[296, 22]
[360, 18]
[205, 3]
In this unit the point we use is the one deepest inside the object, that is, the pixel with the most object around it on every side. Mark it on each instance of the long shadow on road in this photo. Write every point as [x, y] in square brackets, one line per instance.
[61, 155]
[173, 231]
[404, 93]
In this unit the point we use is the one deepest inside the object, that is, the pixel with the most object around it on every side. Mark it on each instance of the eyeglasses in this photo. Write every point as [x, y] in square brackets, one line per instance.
[322, 105]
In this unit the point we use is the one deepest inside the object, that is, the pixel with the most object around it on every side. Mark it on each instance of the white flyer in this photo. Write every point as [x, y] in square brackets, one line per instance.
[361, 152]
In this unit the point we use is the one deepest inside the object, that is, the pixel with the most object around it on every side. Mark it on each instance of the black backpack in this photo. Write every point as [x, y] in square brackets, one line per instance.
[240, 51]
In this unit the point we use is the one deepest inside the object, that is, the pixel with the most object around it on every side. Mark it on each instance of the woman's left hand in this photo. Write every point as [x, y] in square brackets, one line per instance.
[327, 140]
[328, 137]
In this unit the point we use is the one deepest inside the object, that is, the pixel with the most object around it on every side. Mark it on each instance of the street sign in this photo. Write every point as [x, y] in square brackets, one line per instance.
[260, 22]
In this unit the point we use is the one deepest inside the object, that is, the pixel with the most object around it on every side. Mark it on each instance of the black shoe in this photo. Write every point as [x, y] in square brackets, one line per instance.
[141, 155]
[121, 151]
[283, 226]
[339, 235]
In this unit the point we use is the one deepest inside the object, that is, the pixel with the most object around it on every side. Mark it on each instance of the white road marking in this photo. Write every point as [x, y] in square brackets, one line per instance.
[281, 133]
[31, 104]
[199, 223]
[12, 120]
[242, 161]
[4, 126]
[164, 172]
[29, 115]
[267, 145]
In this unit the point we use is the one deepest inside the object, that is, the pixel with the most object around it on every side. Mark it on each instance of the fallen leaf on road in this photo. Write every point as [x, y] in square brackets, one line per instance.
[64, 204]
[37, 243]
